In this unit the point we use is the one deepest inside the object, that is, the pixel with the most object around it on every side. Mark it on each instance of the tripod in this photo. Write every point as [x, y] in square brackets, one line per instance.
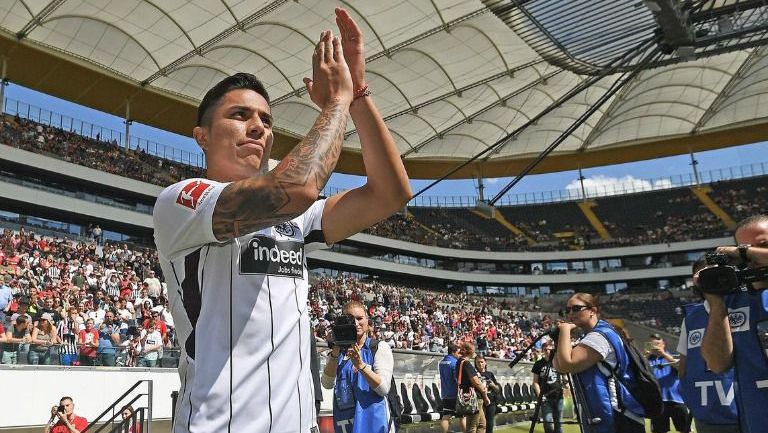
[578, 397]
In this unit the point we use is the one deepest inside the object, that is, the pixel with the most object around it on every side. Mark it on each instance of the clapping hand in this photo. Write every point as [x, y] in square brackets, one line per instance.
[353, 45]
[330, 75]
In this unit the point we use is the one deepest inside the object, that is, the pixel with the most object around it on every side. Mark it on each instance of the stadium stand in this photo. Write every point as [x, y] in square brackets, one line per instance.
[652, 217]
[94, 153]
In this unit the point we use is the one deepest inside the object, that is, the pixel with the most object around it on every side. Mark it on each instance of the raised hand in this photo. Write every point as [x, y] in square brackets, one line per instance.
[330, 81]
[354, 48]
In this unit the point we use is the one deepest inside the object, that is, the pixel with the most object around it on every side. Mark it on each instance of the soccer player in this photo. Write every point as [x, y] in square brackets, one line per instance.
[233, 245]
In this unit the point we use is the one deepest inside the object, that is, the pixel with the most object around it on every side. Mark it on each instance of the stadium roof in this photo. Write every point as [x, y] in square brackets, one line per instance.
[451, 77]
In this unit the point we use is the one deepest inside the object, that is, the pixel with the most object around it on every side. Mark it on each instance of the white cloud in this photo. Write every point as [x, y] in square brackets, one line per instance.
[601, 185]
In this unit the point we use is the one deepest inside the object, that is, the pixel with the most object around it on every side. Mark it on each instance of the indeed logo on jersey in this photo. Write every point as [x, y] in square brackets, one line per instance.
[265, 255]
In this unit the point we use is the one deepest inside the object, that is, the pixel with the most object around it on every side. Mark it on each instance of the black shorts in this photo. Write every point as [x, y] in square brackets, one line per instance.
[678, 412]
[449, 407]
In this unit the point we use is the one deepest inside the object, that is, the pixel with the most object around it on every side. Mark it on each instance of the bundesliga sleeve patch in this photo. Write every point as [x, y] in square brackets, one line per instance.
[192, 193]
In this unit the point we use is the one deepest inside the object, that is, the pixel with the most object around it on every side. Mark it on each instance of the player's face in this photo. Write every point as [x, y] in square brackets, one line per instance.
[756, 235]
[238, 138]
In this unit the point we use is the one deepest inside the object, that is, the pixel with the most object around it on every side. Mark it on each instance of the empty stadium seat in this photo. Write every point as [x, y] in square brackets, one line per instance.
[420, 410]
[407, 405]
[419, 402]
[438, 398]
[431, 400]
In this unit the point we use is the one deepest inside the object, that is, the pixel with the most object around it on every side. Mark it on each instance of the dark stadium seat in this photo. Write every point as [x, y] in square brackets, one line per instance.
[500, 400]
[527, 394]
[419, 402]
[420, 410]
[407, 405]
[431, 399]
[509, 395]
[518, 393]
[436, 394]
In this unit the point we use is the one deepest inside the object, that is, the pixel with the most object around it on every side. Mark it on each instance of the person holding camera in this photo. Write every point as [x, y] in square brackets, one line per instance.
[605, 403]
[67, 422]
[665, 369]
[739, 319]
[708, 395]
[360, 380]
[492, 386]
[551, 384]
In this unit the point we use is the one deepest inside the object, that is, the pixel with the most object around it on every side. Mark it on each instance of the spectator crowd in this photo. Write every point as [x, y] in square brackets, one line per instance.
[77, 303]
[107, 156]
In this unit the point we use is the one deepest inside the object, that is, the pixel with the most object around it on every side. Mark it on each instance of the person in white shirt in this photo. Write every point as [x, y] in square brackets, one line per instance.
[232, 246]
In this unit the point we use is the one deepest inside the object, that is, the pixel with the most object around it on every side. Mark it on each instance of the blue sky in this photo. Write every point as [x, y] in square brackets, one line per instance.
[623, 173]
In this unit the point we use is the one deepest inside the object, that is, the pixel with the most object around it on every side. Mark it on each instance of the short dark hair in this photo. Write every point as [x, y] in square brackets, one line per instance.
[751, 221]
[61, 400]
[241, 80]
[452, 348]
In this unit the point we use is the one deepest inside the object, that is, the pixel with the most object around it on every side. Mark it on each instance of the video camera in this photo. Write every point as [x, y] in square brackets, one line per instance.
[344, 330]
[721, 278]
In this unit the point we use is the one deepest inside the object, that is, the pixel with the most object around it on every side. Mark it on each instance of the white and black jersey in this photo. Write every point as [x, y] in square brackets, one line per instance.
[240, 309]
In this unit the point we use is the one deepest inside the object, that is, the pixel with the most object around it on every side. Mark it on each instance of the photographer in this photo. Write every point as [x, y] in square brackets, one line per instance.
[67, 422]
[493, 388]
[708, 395]
[745, 327]
[665, 369]
[552, 386]
[359, 380]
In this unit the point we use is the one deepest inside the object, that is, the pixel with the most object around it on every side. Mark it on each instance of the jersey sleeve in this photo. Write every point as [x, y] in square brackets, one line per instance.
[312, 226]
[183, 216]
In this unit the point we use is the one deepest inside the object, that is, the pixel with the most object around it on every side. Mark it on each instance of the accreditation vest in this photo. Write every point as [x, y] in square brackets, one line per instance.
[448, 385]
[709, 396]
[357, 408]
[748, 317]
[595, 384]
[668, 379]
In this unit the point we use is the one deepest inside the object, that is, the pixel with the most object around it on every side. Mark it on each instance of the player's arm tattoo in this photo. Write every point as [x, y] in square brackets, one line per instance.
[252, 204]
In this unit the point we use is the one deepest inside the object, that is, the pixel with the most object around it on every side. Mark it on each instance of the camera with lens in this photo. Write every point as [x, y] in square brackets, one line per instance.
[722, 278]
[344, 330]
[60, 409]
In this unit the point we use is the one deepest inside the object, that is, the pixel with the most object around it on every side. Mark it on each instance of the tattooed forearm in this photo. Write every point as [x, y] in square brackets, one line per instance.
[252, 204]
[314, 158]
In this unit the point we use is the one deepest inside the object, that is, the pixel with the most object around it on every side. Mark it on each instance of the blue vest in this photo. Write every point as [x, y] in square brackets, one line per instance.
[448, 386]
[357, 408]
[668, 379]
[709, 396]
[748, 317]
[594, 385]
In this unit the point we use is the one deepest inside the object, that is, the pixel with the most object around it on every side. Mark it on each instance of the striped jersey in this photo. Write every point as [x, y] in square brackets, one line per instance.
[240, 309]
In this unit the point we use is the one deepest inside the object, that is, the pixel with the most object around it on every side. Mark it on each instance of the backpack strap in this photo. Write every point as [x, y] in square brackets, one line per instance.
[615, 370]
[374, 346]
